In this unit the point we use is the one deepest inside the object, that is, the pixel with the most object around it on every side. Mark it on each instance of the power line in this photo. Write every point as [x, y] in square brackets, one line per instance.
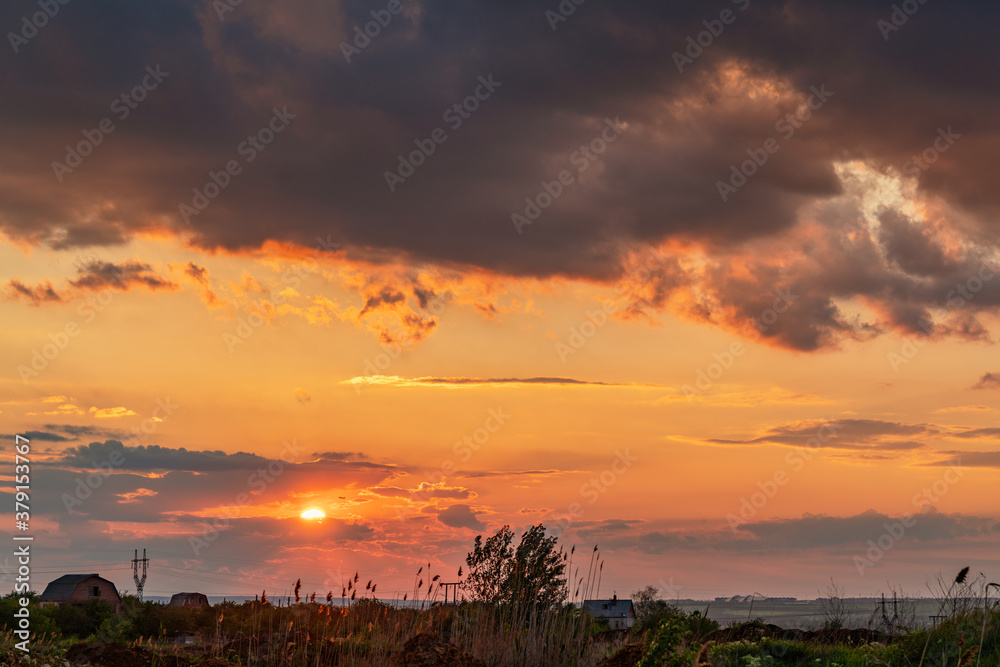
[212, 577]
[178, 555]
[188, 573]
[139, 581]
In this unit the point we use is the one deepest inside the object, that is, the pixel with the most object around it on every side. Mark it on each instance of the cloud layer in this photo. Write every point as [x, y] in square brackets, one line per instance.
[850, 218]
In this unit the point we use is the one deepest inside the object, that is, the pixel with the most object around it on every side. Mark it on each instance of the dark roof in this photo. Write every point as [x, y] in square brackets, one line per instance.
[616, 608]
[183, 599]
[63, 587]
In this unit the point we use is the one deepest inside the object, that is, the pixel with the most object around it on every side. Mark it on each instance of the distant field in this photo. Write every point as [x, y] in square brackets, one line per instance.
[802, 614]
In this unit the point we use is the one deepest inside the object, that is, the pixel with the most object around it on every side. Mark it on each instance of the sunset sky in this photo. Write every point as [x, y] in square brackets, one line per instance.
[709, 285]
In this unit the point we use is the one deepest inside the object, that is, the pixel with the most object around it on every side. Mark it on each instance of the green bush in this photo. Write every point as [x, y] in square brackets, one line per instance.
[651, 614]
[149, 619]
[667, 645]
[11, 603]
[79, 620]
[701, 625]
[774, 652]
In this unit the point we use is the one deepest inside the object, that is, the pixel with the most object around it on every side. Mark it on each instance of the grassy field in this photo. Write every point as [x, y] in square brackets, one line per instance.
[369, 633]
[806, 614]
[373, 634]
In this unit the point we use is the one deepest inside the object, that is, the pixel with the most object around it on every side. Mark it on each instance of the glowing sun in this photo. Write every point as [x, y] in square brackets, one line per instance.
[313, 514]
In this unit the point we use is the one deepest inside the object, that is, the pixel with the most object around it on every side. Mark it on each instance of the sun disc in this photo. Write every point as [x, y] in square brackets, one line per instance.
[313, 514]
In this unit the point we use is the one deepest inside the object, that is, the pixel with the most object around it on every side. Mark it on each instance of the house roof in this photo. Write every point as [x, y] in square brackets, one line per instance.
[63, 587]
[615, 608]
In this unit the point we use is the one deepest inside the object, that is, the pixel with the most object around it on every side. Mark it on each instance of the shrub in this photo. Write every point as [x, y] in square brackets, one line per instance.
[666, 646]
[79, 620]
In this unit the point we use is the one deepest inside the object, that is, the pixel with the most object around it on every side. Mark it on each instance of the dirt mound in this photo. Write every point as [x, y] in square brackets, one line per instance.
[426, 650]
[627, 656]
[102, 654]
[172, 661]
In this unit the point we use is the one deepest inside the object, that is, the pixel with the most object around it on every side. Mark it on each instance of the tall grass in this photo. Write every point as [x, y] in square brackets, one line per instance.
[362, 630]
[294, 630]
[369, 632]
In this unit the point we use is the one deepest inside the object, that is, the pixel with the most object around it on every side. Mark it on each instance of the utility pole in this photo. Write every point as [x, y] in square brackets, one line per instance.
[139, 581]
[454, 591]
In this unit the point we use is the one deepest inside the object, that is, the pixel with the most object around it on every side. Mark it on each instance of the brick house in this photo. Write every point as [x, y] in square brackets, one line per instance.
[79, 588]
[188, 600]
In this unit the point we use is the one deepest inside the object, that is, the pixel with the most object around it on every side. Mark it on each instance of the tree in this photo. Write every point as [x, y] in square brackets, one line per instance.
[644, 600]
[490, 565]
[531, 574]
[650, 610]
[538, 570]
[834, 607]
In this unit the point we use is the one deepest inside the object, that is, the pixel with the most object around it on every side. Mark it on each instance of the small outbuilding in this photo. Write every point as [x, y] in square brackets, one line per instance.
[80, 588]
[620, 614]
[188, 600]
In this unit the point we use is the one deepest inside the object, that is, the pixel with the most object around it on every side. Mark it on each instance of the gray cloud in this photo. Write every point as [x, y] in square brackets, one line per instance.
[460, 381]
[970, 459]
[460, 516]
[988, 381]
[325, 174]
[36, 295]
[152, 458]
[977, 433]
[424, 492]
[818, 531]
[830, 534]
[78, 431]
[96, 275]
[866, 434]
[43, 436]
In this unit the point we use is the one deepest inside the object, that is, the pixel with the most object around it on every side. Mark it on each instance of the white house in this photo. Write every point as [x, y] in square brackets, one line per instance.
[620, 614]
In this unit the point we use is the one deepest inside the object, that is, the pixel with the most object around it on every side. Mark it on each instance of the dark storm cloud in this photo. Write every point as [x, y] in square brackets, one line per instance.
[556, 91]
[908, 245]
